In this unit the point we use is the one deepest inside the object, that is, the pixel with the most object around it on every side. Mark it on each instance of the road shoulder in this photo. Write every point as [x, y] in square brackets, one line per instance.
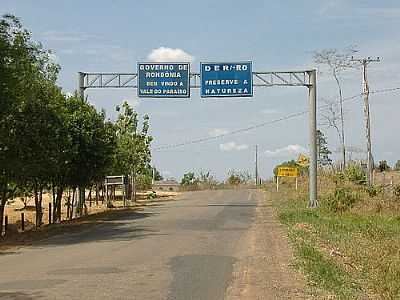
[264, 270]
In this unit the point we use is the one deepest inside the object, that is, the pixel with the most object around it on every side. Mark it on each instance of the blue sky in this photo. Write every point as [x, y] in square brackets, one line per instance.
[276, 35]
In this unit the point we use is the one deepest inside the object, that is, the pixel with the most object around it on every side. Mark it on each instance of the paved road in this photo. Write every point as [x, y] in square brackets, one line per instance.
[180, 250]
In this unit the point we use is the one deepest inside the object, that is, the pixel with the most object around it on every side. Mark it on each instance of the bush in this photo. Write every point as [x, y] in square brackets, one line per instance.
[152, 195]
[342, 199]
[356, 174]
[396, 190]
[373, 191]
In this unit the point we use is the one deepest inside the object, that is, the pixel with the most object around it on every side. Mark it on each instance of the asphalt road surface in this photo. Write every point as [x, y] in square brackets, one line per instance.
[178, 250]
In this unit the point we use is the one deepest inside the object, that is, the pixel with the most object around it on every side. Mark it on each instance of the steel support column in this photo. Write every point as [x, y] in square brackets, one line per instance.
[81, 85]
[312, 98]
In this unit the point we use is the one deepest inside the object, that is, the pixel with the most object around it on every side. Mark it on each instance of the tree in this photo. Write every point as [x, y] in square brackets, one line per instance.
[238, 177]
[133, 155]
[383, 166]
[92, 143]
[26, 75]
[157, 175]
[337, 61]
[188, 179]
[397, 166]
[323, 151]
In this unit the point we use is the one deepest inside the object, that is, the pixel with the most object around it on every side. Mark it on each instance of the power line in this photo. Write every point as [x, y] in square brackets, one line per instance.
[259, 125]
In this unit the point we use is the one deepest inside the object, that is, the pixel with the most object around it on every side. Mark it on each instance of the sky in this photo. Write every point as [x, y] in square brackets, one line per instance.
[113, 36]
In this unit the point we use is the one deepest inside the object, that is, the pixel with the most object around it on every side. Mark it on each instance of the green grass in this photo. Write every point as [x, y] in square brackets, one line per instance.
[366, 258]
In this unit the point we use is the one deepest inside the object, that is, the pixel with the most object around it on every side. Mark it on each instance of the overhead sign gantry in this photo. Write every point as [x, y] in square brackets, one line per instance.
[232, 81]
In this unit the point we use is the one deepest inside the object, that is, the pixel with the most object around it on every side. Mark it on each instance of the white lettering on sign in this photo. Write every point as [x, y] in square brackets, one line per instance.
[222, 82]
[155, 67]
[226, 68]
[226, 91]
[163, 91]
[163, 75]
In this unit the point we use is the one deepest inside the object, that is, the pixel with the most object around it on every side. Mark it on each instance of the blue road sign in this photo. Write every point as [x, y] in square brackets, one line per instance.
[163, 80]
[226, 79]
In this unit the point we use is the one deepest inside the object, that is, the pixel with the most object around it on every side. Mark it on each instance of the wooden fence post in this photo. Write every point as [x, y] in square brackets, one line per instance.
[49, 212]
[22, 221]
[5, 225]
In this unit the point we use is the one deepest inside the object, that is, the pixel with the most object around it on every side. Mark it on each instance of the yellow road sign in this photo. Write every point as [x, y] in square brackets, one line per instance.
[303, 160]
[288, 172]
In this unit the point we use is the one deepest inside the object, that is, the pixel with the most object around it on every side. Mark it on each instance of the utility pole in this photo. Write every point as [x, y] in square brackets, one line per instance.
[370, 161]
[256, 171]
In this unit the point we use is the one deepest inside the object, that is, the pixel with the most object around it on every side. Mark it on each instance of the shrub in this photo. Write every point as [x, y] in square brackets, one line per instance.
[356, 174]
[341, 199]
[373, 191]
[396, 190]
[383, 166]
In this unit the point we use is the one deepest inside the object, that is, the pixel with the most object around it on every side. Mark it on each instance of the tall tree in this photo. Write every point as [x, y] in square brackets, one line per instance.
[25, 71]
[92, 144]
[133, 153]
[337, 61]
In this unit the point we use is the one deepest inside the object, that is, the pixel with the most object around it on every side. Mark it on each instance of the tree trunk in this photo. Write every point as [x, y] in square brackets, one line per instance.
[97, 194]
[90, 196]
[71, 211]
[57, 204]
[38, 205]
[2, 208]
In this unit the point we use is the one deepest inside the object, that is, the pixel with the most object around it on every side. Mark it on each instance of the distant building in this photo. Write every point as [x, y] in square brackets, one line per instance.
[166, 186]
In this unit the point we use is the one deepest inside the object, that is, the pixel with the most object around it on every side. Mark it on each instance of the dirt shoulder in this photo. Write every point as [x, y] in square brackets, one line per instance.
[264, 270]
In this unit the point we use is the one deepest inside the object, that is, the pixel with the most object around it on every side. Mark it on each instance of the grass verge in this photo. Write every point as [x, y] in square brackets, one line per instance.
[347, 255]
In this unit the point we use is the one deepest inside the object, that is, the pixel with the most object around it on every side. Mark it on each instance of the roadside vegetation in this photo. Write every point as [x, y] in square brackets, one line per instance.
[349, 246]
[205, 180]
[54, 144]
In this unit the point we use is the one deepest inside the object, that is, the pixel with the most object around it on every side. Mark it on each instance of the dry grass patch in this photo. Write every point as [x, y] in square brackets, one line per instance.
[347, 253]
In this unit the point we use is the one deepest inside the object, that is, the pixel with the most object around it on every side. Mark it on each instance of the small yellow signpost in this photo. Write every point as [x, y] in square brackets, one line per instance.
[287, 172]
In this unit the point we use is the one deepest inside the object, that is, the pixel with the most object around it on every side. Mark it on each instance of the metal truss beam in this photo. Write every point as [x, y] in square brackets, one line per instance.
[288, 78]
[129, 80]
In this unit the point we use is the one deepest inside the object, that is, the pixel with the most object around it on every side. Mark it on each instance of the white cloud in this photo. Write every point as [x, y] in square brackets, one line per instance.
[217, 132]
[164, 54]
[288, 151]
[232, 146]
[268, 111]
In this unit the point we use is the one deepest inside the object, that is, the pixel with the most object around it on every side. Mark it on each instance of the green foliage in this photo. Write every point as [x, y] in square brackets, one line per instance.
[188, 179]
[367, 244]
[152, 195]
[396, 190]
[397, 166]
[132, 155]
[355, 174]
[340, 200]
[143, 181]
[383, 166]
[323, 270]
[323, 151]
[373, 191]
[45, 139]
[237, 177]
[157, 175]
